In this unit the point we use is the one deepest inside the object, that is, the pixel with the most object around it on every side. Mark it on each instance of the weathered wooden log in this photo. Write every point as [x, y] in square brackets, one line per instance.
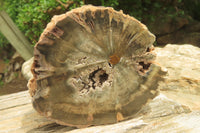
[93, 66]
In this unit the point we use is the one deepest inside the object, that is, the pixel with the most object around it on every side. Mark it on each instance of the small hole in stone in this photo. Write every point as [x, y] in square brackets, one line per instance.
[103, 77]
[36, 64]
[109, 64]
[148, 49]
[145, 67]
[98, 77]
[92, 77]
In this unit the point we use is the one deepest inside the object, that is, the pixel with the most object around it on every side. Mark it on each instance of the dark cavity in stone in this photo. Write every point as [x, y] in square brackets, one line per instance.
[99, 76]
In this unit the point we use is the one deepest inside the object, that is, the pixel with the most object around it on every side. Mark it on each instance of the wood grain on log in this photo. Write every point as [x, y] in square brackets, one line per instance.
[93, 66]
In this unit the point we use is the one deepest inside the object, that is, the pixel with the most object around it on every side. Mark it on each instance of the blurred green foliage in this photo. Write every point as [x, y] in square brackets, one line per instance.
[192, 8]
[3, 41]
[31, 16]
[1, 83]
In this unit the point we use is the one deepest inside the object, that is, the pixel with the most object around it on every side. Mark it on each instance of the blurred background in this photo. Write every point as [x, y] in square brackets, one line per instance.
[172, 21]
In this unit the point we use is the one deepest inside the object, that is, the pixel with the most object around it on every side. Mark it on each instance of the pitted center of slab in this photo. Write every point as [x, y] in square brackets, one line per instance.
[98, 77]
[94, 78]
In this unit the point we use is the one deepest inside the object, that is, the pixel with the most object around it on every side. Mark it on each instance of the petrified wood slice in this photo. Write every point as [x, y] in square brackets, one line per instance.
[93, 66]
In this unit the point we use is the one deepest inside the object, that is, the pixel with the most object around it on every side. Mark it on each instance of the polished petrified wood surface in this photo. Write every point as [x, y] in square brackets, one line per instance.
[93, 66]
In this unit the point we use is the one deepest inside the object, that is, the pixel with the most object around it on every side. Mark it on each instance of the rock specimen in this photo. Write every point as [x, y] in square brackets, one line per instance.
[93, 66]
